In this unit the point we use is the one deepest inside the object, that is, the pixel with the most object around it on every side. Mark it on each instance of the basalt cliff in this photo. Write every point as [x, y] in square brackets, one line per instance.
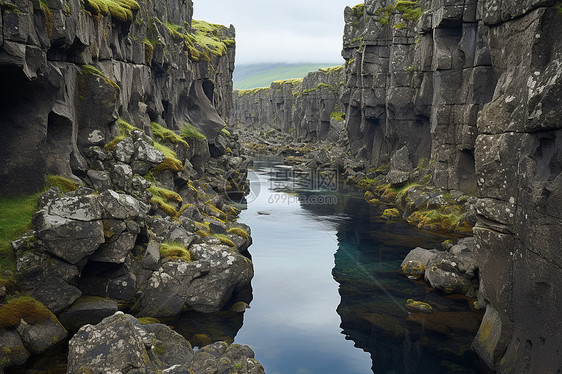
[115, 149]
[475, 87]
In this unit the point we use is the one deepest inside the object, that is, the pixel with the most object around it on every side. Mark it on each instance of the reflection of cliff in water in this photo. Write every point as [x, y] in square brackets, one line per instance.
[373, 294]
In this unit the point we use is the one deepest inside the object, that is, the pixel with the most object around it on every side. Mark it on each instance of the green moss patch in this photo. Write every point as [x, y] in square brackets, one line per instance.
[89, 69]
[358, 10]
[418, 306]
[338, 116]
[124, 130]
[174, 252]
[148, 320]
[62, 183]
[203, 40]
[391, 214]
[435, 220]
[188, 131]
[238, 231]
[163, 198]
[166, 134]
[31, 310]
[120, 10]
[224, 239]
[170, 162]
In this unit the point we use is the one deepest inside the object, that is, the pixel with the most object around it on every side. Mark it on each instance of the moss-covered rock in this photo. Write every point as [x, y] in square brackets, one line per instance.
[391, 214]
[418, 306]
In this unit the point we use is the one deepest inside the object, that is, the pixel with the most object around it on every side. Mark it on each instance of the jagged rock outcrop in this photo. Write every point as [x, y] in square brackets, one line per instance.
[72, 71]
[309, 108]
[118, 106]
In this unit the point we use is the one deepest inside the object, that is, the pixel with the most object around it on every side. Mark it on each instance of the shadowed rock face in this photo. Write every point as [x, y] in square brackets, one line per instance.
[54, 106]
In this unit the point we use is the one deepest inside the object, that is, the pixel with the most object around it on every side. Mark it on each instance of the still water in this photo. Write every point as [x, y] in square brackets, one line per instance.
[327, 294]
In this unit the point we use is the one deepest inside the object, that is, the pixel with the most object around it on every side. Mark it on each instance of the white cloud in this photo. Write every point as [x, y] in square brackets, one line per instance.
[280, 31]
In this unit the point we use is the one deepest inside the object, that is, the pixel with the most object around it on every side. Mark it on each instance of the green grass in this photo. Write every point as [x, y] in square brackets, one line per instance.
[262, 75]
[165, 194]
[224, 239]
[175, 251]
[15, 219]
[170, 162]
[120, 10]
[125, 129]
[188, 131]
[204, 39]
[166, 134]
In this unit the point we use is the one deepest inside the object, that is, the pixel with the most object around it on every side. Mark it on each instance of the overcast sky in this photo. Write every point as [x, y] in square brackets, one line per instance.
[280, 30]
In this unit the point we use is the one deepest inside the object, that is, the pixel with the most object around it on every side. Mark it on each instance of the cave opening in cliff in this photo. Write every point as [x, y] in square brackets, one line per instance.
[209, 89]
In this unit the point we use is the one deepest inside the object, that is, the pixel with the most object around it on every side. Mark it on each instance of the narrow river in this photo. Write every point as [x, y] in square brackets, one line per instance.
[327, 293]
[327, 296]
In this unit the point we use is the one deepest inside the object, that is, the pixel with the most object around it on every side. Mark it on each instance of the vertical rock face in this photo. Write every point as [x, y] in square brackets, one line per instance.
[70, 70]
[303, 107]
[477, 87]
[387, 101]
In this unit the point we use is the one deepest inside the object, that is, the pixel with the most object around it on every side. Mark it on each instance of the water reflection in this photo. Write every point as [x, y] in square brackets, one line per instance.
[296, 321]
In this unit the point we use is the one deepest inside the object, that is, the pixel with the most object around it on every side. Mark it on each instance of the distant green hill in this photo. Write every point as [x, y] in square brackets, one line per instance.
[261, 75]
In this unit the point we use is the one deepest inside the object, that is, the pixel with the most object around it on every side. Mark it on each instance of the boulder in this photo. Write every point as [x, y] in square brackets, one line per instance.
[87, 310]
[122, 177]
[400, 167]
[416, 262]
[168, 347]
[145, 157]
[100, 180]
[41, 336]
[124, 150]
[116, 344]
[116, 249]
[120, 343]
[120, 206]
[447, 281]
[418, 306]
[70, 227]
[219, 357]
[55, 293]
[12, 352]
[152, 255]
[168, 289]
[229, 272]
[46, 278]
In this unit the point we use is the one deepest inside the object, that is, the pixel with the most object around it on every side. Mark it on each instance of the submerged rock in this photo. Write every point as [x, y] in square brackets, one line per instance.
[418, 306]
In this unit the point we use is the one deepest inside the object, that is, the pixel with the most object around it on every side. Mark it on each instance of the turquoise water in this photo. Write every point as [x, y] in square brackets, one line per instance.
[327, 294]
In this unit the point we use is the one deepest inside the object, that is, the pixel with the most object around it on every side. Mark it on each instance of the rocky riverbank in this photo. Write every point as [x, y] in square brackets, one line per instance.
[467, 91]
[116, 166]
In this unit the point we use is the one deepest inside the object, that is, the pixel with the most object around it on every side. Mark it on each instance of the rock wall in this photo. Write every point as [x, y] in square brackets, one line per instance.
[308, 108]
[148, 64]
[475, 86]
